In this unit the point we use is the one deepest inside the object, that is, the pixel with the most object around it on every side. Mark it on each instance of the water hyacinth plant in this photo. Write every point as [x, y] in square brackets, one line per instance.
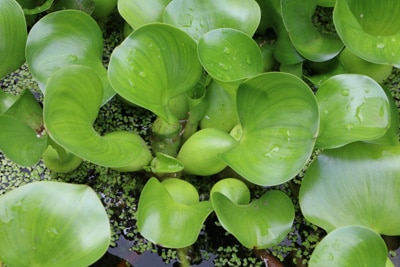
[254, 96]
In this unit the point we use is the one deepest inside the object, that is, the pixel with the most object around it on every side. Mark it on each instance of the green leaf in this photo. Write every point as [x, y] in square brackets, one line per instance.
[170, 214]
[271, 17]
[165, 165]
[13, 36]
[22, 135]
[19, 142]
[52, 224]
[350, 246]
[353, 108]
[198, 17]
[229, 55]
[354, 64]
[308, 41]
[370, 29]
[138, 13]
[280, 119]
[263, 223]
[154, 64]
[72, 101]
[221, 110]
[199, 154]
[62, 38]
[354, 185]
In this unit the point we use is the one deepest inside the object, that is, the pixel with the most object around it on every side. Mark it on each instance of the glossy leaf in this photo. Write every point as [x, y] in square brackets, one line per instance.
[354, 185]
[353, 108]
[170, 214]
[197, 17]
[308, 41]
[19, 142]
[263, 223]
[221, 110]
[138, 13]
[370, 29]
[357, 65]
[271, 17]
[234, 189]
[199, 154]
[280, 118]
[52, 224]
[229, 55]
[165, 165]
[72, 101]
[13, 36]
[350, 246]
[22, 136]
[67, 37]
[154, 64]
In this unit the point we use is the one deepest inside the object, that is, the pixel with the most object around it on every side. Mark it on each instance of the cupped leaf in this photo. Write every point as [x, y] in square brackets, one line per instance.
[370, 29]
[263, 223]
[52, 224]
[22, 135]
[154, 64]
[67, 37]
[197, 17]
[350, 246]
[353, 108]
[19, 142]
[72, 101]
[355, 64]
[13, 36]
[354, 185]
[164, 165]
[199, 154]
[220, 112]
[280, 119]
[234, 189]
[271, 17]
[138, 13]
[170, 214]
[229, 55]
[306, 38]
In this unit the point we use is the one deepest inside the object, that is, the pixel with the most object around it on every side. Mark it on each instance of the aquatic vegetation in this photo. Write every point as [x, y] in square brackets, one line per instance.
[246, 94]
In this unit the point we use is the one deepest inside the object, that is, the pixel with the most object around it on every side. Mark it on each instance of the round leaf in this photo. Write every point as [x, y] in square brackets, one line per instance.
[229, 55]
[350, 246]
[263, 223]
[199, 154]
[370, 29]
[309, 42]
[52, 224]
[171, 218]
[72, 101]
[138, 13]
[197, 17]
[353, 108]
[154, 64]
[232, 188]
[280, 118]
[354, 185]
[67, 37]
[13, 36]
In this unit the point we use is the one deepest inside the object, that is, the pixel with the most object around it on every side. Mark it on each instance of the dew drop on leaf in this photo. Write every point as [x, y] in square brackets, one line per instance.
[345, 92]
[380, 45]
[142, 74]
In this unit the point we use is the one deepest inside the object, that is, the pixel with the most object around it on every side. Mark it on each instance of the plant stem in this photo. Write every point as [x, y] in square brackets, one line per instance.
[165, 137]
[183, 257]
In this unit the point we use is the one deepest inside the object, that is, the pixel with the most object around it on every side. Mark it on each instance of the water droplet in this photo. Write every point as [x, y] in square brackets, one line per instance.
[271, 152]
[131, 84]
[349, 126]
[361, 15]
[359, 113]
[380, 45]
[142, 74]
[224, 66]
[52, 232]
[248, 60]
[345, 92]
[331, 257]
[382, 111]
[72, 58]
[227, 50]
[393, 40]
